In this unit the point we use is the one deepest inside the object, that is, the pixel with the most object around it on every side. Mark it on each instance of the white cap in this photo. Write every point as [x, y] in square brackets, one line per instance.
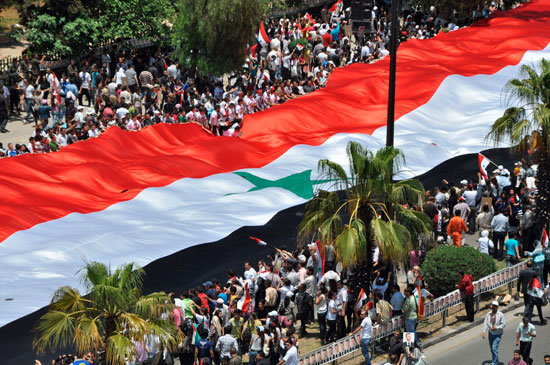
[494, 303]
[220, 301]
[464, 182]
[273, 313]
[500, 167]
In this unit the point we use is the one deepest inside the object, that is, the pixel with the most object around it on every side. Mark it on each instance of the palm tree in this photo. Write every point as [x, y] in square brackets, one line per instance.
[110, 319]
[527, 126]
[365, 207]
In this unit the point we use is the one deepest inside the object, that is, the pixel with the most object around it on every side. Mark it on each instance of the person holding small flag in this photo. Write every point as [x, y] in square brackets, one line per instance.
[535, 292]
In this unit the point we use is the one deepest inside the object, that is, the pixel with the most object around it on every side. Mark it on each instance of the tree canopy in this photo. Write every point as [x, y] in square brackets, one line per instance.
[71, 27]
[212, 35]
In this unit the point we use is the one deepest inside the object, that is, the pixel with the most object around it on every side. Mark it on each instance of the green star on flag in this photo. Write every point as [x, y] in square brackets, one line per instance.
[299, 184]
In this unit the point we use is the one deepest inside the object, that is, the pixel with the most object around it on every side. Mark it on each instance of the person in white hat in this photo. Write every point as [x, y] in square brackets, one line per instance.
[494, 325]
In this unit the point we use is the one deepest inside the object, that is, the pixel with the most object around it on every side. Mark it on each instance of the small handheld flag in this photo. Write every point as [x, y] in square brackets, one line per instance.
[483, 163]
[535, 289]
[544, 240]
[358, 304]
[335, 5]
[420, 301]
[244, 302]
[259, 241]
[263, 38]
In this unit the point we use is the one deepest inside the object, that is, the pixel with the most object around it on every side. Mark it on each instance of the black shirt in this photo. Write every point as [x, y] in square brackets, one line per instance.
[396, 346]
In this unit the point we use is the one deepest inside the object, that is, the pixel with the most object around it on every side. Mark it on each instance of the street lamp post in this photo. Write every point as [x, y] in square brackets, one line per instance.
[393, 54]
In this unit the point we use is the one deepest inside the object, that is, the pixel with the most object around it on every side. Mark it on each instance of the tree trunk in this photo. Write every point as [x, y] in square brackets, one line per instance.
[363, 270]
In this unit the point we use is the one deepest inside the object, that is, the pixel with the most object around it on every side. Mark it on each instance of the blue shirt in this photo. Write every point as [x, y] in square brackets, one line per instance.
[511, 245]
[204, 347]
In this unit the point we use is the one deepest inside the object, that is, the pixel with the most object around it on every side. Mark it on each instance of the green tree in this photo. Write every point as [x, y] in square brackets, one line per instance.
[110, 318]
[212, 35]
[527, 126]
[372, 210]
[72, 27]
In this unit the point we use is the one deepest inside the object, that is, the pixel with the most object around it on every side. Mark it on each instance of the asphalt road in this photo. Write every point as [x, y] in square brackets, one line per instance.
[469, 348]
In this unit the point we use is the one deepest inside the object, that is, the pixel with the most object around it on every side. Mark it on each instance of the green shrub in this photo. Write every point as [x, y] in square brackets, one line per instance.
[442, 264]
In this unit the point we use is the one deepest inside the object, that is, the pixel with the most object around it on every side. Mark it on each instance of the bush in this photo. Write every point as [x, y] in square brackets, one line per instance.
[442, 264]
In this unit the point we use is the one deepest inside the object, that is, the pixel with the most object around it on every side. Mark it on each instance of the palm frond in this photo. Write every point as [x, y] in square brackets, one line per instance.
[414, 221]
[407, 191]
[54, 330]
[333, 171]
[118, 349]
[88, 334]
[393, 240]
[94, 273]
[153, 305]
[345, 245]
[132, 324]
[167, 333]
[68, 300]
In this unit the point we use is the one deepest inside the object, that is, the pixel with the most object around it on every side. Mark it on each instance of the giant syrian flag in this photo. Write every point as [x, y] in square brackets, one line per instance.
[139, 196]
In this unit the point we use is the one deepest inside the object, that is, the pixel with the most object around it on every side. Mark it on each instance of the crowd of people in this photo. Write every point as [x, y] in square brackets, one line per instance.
[501, 207]
[138, 88]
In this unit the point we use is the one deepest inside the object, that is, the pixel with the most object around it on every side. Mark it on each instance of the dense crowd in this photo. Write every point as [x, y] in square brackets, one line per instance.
[138, 88]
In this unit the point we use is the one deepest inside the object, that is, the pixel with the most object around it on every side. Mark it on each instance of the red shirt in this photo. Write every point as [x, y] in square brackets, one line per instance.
[327, 39]
[465, 285]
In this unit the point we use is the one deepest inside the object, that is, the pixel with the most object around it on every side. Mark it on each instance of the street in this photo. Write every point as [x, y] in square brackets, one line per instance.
[469, 348]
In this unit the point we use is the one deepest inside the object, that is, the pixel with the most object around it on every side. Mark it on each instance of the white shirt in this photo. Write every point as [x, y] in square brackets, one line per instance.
[62, 140]
[29, 91]
[331, 316]
[341, 298]
[133, 125]
[484, 244]
[93, 133]
[366, 331]
[122, 112]
[329, 275]
[291, 357]
[86, 78]
[250, 274]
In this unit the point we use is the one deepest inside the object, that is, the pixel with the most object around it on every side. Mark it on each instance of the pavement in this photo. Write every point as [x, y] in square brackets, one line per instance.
[469, 348]
[19, 132]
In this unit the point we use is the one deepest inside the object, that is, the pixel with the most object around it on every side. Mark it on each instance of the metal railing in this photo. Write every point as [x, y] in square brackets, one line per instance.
[348, 345]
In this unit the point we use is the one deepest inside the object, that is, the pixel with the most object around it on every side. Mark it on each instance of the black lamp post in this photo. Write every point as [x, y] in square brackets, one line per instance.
[393, 54]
